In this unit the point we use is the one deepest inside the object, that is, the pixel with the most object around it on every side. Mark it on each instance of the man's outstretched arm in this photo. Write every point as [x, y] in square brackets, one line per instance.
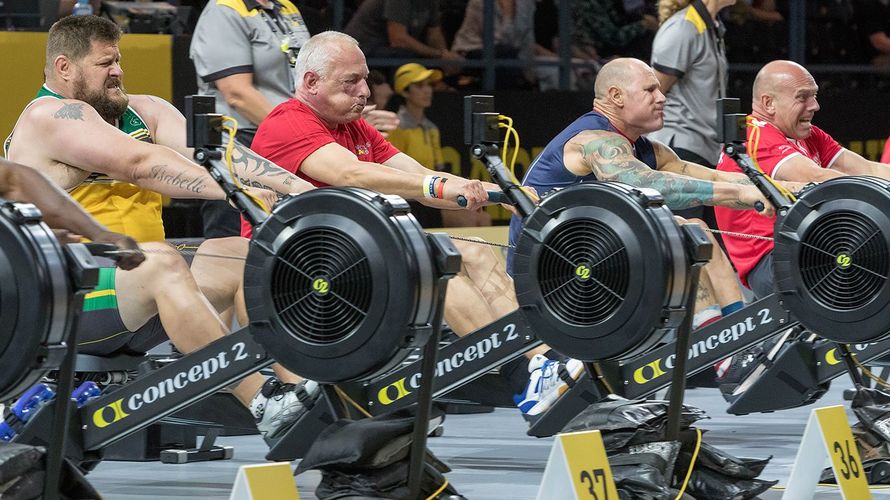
[610, 157]
[21, 183]
[250, 168]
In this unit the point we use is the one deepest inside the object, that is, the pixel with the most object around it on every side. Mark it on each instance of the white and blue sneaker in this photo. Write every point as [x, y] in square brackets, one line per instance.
[277, 406]
[548, 380]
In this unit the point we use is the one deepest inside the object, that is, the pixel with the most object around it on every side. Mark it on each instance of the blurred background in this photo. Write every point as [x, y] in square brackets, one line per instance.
[538, 57]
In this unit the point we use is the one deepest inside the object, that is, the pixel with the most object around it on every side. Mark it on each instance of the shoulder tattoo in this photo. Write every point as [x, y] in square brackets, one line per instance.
[70, 111]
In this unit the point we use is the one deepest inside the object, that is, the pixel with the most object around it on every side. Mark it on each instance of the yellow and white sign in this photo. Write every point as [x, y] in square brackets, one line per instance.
[827, 438]
[265, 482]
[578, 468]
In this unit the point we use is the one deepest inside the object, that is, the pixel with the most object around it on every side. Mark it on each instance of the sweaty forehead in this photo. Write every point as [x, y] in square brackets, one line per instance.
[348, 61]
[799, 83]
[643, 78]
[99, 49]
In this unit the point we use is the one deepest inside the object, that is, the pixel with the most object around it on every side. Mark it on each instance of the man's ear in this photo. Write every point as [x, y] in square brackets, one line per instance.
[63, 67]
[616, 95]
[768, 103]
[310, 82]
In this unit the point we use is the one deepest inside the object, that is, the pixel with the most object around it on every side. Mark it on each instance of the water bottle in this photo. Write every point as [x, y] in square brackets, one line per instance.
[26, 406]
[82, 8]
[31, 401]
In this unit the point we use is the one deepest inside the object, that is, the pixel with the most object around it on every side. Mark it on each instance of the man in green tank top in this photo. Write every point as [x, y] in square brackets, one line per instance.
[117, 153]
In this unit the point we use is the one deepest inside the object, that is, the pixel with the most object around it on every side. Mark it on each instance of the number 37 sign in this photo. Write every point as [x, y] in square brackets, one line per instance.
[827, 433]
[578, 468]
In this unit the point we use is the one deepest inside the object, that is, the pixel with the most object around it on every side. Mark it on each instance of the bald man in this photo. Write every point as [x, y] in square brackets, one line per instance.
[607, 144]
[786, 145]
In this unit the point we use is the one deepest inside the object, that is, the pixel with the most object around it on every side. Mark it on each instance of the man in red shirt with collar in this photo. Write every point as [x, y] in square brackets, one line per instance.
[786, 145]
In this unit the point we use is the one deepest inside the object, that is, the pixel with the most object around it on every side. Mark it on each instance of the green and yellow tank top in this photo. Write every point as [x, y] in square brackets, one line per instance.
[122, 207]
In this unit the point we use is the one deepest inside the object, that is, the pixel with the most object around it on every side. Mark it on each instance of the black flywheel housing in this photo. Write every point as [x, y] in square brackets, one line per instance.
[36, 299]
[339, 283]
[832, 259]
[600, 270]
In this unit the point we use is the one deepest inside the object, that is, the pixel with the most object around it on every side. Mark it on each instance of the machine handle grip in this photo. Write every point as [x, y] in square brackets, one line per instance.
[493, 196]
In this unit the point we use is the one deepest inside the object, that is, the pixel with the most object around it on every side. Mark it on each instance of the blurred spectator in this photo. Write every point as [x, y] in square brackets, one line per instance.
[514, 38]
[319, 14]
[690, 63]
[65, 6]
[381, 90]
[763, 11]
[759, 32]
[606, 26]
[833, 34]
[243, 52]
[419, 138]
[400, 28]
[885, 158]
[873, 18]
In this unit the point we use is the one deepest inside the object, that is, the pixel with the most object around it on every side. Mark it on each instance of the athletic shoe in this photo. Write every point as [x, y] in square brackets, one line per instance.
[746, 367]
[548, 380]
[277, 405]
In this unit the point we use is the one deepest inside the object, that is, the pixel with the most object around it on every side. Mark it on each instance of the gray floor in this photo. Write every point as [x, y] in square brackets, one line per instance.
[490, 455]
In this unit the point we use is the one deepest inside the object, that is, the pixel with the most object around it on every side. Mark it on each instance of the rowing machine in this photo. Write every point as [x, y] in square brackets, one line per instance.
[353, 299]
[620, 242]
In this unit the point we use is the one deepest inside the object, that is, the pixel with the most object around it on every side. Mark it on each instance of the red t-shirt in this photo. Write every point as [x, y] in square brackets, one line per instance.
[769, 148]
[292, 132]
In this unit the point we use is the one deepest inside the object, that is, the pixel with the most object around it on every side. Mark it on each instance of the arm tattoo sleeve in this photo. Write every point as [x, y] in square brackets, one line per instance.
[70, 111]
[254, 170]
[611, 159]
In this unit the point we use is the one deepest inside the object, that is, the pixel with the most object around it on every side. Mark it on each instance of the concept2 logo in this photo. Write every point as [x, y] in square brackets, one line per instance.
[404, 386]
[202, 370]
[657, 368]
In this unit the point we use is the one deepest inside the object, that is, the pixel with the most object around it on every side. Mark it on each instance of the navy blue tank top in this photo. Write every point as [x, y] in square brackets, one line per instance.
[548, 171]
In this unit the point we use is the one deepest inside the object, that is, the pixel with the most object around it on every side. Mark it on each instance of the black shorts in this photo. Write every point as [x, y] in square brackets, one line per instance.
[101, 330]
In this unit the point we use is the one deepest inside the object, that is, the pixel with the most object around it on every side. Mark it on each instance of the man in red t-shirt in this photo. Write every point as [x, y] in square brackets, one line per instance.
[320, 136]
[786, 145]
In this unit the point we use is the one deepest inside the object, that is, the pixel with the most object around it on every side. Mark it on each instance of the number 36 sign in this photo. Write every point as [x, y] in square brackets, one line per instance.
[827, 435]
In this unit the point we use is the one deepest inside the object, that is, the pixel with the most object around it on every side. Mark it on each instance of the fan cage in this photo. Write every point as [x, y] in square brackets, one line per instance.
[843, 260]
[321, 286]
[584, 272]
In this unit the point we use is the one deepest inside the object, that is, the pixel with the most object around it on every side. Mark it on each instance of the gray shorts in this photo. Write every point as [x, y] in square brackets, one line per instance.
[760, 279]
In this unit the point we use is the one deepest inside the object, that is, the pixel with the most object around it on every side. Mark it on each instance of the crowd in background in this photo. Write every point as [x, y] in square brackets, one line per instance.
[246, 60]
[840, 31]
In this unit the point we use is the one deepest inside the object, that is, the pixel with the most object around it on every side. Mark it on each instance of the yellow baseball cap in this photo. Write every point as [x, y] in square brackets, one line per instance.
[414, 73]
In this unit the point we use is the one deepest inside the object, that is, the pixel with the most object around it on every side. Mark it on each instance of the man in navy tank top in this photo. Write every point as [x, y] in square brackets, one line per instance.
[608, 144]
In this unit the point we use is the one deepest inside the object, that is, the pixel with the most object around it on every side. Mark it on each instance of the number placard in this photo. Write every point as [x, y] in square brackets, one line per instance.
[578, 468]
[827, 439]
[841, 447]
[265, 482]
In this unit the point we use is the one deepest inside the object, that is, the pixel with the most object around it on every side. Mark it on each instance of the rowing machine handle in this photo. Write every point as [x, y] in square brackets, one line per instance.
[493, 196]
[737, 152]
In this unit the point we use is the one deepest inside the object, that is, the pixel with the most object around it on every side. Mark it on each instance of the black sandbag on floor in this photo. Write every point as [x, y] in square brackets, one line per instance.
[16, 459]
[368, 458]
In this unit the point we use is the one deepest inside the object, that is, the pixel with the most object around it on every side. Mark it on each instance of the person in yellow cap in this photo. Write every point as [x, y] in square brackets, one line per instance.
[418, 137]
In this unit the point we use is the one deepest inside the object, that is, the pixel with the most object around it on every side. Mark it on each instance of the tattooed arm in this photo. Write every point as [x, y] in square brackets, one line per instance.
[169, 128]
[610, 157]
[254, 170]
[668, 161]
[73, 133]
